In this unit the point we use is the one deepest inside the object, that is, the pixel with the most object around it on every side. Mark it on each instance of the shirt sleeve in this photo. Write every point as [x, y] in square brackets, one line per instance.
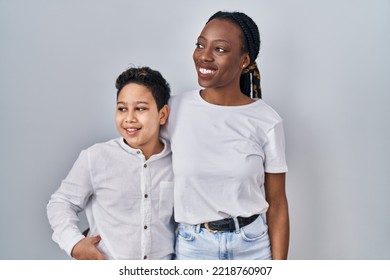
[274, 149]
[65, 204]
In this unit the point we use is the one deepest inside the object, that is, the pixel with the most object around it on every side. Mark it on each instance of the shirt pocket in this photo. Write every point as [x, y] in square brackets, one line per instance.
[165, 210]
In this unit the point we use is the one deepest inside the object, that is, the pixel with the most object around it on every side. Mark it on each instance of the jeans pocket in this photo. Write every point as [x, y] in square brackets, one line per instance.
[255, 230]
[185, 233]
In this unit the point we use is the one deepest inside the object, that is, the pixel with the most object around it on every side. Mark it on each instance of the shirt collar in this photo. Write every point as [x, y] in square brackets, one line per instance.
[164, 152]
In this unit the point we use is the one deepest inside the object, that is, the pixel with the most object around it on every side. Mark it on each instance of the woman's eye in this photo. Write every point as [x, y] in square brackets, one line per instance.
[220, 50]
[199, 46]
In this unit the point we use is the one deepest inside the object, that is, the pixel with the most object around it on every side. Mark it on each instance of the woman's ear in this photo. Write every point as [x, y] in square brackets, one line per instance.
[246, 61]
[164, 113]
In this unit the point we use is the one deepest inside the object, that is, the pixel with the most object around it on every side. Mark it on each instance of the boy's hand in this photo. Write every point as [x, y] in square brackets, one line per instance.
[86, 249]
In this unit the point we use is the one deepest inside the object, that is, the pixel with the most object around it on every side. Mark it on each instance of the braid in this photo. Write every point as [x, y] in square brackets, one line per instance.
[250, 77]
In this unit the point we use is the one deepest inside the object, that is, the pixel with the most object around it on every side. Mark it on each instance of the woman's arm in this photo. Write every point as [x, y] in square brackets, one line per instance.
[277, 214]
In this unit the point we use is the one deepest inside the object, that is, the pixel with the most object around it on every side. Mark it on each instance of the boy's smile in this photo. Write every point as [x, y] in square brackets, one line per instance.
[138, 119]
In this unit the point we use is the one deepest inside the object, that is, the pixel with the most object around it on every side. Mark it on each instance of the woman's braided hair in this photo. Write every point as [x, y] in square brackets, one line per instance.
[250, 77]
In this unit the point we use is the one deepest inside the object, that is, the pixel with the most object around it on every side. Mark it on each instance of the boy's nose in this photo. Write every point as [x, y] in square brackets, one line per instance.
[130, 118]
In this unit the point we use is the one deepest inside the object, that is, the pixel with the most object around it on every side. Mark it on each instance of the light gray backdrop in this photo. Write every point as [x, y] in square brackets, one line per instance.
[325, 68]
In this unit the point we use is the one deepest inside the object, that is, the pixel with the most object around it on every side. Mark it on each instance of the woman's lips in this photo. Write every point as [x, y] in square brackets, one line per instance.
[205, 72]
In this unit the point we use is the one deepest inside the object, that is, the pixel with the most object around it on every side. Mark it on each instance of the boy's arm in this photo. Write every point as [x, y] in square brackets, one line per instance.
[67, 202]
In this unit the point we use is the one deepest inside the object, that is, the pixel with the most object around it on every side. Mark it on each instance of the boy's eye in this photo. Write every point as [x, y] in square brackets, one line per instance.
[140, 109]
[121, 109]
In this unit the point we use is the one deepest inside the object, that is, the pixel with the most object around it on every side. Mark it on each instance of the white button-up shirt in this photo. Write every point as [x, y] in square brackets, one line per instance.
[128, 201]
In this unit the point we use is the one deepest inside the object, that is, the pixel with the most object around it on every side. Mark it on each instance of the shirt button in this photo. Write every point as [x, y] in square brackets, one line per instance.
[138, 152]
[145, 257]
[145, 165]
[145, 227]
[146, 196]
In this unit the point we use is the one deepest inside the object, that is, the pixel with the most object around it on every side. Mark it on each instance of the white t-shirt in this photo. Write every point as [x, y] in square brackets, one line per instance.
[220, 154]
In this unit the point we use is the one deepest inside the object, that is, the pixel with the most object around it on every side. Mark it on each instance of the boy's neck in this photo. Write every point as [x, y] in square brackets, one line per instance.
[156, 149]
[149, 150]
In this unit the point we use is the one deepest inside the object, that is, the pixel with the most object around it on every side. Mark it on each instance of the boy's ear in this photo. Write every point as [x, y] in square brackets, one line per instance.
[164, 113]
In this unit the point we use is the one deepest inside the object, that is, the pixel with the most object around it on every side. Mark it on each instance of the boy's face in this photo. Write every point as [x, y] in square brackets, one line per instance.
[138, 119]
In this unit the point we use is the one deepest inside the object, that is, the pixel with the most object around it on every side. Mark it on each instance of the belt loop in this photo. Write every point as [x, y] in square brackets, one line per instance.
[197, 228]
[236, 224]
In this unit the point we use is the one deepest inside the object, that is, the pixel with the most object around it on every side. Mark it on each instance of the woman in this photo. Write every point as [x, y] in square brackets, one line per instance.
[228, 152]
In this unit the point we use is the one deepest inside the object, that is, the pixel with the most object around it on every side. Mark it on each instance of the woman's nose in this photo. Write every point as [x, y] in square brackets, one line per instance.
[206, 55]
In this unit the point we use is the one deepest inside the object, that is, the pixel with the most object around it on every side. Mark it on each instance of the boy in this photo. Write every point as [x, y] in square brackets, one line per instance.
[125, 185]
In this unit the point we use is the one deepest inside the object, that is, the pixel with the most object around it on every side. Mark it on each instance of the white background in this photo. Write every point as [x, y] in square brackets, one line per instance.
[325, 68]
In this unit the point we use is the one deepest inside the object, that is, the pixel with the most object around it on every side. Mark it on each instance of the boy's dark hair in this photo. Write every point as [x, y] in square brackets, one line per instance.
[149, 78]
[250, 78]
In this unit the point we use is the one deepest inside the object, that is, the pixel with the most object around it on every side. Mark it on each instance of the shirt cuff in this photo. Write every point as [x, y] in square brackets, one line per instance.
[69, 240]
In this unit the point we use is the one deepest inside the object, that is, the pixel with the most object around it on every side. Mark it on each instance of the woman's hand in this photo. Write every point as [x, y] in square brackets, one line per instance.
[86, 249]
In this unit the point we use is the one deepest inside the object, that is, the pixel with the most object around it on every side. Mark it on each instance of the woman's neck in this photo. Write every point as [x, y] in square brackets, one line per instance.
[225, 97]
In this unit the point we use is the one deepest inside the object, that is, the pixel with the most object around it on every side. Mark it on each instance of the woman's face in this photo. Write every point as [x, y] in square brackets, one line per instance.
[218, 55]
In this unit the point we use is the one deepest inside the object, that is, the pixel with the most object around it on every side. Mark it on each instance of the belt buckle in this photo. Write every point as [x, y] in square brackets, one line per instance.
[206, 225]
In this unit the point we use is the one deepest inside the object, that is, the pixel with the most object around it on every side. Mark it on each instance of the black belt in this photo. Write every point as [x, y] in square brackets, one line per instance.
[228, 224]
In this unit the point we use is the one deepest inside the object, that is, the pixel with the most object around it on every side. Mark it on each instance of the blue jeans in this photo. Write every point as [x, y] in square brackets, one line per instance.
[250, 242]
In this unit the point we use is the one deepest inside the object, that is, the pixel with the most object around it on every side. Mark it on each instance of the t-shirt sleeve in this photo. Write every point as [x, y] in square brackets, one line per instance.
[274, 149]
